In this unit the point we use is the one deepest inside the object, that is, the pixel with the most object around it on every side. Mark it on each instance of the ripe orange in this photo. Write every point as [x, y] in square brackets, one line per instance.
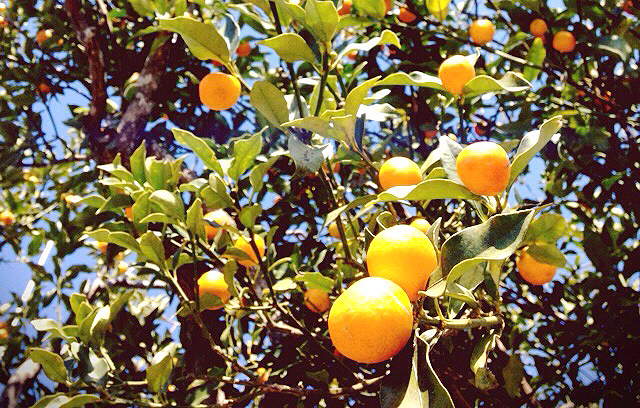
[345, 9]
[533, 271]
[43, 35]
[243, 245]
[122, 267]
[421, 224]
[387, 5]
[102, 246]
[455, 72]
[6, 218]
[221, 218]
[219, 91]
[334, 231]
[406, 16]
[404, 255]
[213, 290]
[399, 171]
[538, 27]
[128, 212]
[481, 31]
[4, 331]
[564, 41]
[243, 49]
[371, 321]
[44, 88]
[353, 55]
[263, 375]
[316, 300]
[484, 168]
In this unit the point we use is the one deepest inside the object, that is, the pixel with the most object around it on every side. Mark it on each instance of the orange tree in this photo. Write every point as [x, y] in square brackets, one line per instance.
[199, 183]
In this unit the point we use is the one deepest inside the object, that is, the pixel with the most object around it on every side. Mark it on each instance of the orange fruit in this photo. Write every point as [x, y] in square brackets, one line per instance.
[243, 245]
[334, 231]
[399, 171]
[484, 168]
[128, 212]
[533, 271]
[406, 16]
[4, 331]
[353, 55]
[316, 300]
[44, 88]
[213, 290]
[387, 5]
[481, 31]
[263, 375]
[221, 218]
[404, 255]
[43, 35]
[538, 27]
[564, 41]
[243, 49]
[122, 266]
[102, 246]
[345, 8]
[371, 321]
[219, 91]
[6, 218]
[455, 72]
[421, 224]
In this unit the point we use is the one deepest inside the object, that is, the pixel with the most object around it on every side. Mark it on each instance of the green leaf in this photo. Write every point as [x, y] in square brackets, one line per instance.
[322, 19]
[118, 171]
[94, 326]
[315, 280]
[373, 8]
[151, 247]
[290, 47]
[51, 326]
[156, 172]
[244, 153]
[536, 55]
[60, 400]
[415, 78]
[323, 127]
[333, 215]
[357, 95]
[215, 200]
[123, 239]
[94, 200]
[229, 271]
[428, 190]
[141, 208]
[547, 228]
[157, 217]
[482, 84]
[438, 8]
[199, 147]
[258, 172]
[160, 369]
[169, 203]
[284, 285]
[204, 41]
[118, 304]
[248, 215]
[195, 220]
[547, 253]
[270, 102]
[387, 37]
[459, 292]
[145, 8]
[137, 163]
[51, 363]
[495, 239]
[484, 378]
[448, 151]
[306, 158]
[513, 373]
[114, 202]
[531, 144]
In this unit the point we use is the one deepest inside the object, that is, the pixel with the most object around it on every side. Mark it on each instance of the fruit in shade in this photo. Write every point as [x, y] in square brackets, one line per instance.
[538, 27]
[221, 218]
[399, 171]
[243, 49]
[455, 72]
[316, 300]
[219, 91]
[213, 290]
[44, 88]
[333, 230]
[345, 8]
[484, 168]
[406, 16]
[72, 199]
[6, 218]
[243, 245]
[102, 246]
[128, 212]
[371, 320]
[387, 5]
[404, 255]
[564, 41]
[534, 271]
[43, 35]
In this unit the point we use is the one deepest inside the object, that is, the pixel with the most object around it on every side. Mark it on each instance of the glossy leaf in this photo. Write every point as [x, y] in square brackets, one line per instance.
[484, 378]
[199, 147]
[415, 78]
[244, 153]
[204, 41]
[51, 363]
[536, 55]
[547, 253]
[482, 84]
[290, 47]
[270, 102]
[160, 369]
[428, 190]
[322, 19]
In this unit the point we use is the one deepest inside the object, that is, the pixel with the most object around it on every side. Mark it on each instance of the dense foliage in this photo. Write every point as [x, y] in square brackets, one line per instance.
[105, 140]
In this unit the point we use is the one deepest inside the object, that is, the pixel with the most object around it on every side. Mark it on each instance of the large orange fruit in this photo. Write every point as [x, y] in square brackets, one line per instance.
[481, 31]
[484, 168]
[534, 271]
[219, 91]
[399, 171]
[213, 290]
[455, 72]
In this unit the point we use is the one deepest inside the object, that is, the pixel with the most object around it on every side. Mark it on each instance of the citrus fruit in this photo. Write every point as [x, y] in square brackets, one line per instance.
[102, 246]
[6, 218]
[564, 41]
[333, 230]
[345, 8]
[44, 88]
[387, 5]
[221, 218]
[219, 91]
[481, 31]
[243, 49]
[406, 16]
[404, 255]
[538, 27]
[316, 300]
[399, 171]
[455, 72]
[43, 35]
[421, 224]
[128, 212]
[213, 290]
[243, 245]
[484, 168]
[371, 321]
[534, 271]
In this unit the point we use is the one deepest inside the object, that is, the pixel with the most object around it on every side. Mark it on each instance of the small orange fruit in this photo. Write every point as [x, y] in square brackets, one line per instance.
[219, 91]
[4, 331]
[333, 230]
[455, 72]
[399, 171]
[538, 27]
[243, 49]
[406, 16]
[263, 375]
[44, 88]
[213, 290]
[484, 168]
[122, 267]
[102, 246]
[421, 224]
[6, 218]
[345, 8]
[128, 212]
[243, 245]
[221, 218]
[404, 255]
[564, 41]
[43, 35]
[533, 271]
[3, 7]
[353, 55]
[371, 321]
[481, 31]
[387, 5]
[316, 300]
